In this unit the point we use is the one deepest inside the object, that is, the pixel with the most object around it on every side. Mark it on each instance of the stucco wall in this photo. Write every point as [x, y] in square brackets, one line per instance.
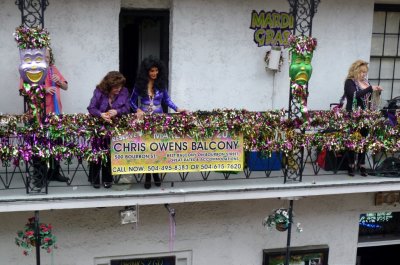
[213, 56]
[216, 233]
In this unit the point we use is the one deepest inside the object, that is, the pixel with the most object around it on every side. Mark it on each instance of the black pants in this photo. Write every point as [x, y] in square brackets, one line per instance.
[94, 172]
[96, 167]
[54, 170]
[361, 156]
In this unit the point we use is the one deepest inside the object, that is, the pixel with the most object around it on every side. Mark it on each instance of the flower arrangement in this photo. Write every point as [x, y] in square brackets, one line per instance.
[26, 238]
[279, 219]
[302, 44]
[31, 38]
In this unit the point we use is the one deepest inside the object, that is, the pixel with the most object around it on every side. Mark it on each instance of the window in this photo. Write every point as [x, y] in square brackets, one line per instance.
[380, 225]
[385, 60]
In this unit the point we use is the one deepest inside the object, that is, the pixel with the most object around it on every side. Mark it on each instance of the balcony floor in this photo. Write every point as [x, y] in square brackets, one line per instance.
[194, 189]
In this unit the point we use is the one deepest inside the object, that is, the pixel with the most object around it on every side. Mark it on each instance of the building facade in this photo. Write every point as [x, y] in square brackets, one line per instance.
[213, 62]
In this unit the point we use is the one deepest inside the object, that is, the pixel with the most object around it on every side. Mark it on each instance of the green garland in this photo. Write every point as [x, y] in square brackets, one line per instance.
[81, 135]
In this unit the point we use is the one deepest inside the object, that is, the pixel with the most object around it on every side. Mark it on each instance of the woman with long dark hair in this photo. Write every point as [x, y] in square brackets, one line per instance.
[149, 94]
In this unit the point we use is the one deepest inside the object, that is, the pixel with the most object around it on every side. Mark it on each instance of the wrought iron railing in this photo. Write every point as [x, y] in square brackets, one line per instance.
[28, 151]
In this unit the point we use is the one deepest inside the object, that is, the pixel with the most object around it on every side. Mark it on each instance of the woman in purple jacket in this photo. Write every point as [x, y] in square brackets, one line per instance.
[149, 94]
[110, 99]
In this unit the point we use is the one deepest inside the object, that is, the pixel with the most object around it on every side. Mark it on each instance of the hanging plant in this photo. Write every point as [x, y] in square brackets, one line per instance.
[27, 240]
[279, 219]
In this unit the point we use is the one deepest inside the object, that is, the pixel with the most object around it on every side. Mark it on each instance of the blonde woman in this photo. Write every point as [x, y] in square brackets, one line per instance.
[357, 89]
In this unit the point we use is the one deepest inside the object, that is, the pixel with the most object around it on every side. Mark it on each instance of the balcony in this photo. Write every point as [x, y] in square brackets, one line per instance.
[17, 192]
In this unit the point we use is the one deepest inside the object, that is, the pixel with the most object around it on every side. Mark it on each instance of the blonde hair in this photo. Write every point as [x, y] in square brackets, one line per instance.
[356, 68]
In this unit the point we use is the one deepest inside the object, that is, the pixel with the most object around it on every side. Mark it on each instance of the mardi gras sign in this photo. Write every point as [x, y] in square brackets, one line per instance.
[271, 28]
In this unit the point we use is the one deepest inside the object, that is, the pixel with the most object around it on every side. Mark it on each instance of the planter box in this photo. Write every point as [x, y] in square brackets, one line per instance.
[258, 162]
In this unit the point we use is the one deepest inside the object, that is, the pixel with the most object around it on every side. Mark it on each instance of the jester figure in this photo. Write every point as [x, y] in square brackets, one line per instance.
[32, 44]
[301, 48]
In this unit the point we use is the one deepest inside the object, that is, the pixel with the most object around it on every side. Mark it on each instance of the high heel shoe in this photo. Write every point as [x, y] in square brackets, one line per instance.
[351, 171]
[363, 171]
[147, 182]
[157, 180]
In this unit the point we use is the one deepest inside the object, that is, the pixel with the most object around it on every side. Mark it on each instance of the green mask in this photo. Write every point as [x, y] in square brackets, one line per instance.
[300, 68]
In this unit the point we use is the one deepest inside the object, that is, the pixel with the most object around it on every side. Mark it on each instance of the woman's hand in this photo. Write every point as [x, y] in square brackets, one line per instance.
[56, 79]
[112, 113]
[106, 116]
[182, 110]
[139, 114]
[377, 88]
[51, 90]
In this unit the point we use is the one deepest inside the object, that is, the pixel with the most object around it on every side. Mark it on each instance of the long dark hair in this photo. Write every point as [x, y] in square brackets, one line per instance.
[142, 78]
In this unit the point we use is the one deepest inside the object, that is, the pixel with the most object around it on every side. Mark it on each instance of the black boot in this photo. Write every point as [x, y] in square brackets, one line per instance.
[94, 174]
[351, 170]
[157, 180]
[363, 172]
[54, 172]
[106, 174]
[39, 174]
[147, 182]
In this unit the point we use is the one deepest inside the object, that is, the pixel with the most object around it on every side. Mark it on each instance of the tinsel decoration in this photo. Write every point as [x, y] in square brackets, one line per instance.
[31, 38]
[300, 94]
[302, 44]
[84, 137]
[34, 94]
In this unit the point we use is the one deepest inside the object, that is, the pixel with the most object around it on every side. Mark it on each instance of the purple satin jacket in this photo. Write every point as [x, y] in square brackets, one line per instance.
[99, 103]
[145, 103]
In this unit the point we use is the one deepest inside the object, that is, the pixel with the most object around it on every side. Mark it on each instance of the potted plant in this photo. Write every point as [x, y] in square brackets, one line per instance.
[27, 240]
[279, 219]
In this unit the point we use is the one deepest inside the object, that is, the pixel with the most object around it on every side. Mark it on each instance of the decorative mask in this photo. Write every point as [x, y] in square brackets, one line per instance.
[33, 66]
[300, 68]
[302, 48]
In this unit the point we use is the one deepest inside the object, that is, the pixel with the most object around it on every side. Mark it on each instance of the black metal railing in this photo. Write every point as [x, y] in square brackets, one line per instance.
[69, 142]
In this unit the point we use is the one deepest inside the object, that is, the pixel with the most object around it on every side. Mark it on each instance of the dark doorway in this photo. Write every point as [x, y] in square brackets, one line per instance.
[142, 33]
[378, 255]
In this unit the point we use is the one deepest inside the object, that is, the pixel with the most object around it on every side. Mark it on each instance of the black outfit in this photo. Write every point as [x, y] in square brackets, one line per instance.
[351, 90]
[105, 168]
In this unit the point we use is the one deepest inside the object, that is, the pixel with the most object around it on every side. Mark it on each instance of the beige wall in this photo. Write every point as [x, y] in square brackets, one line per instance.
[212, 57]
[225, 232]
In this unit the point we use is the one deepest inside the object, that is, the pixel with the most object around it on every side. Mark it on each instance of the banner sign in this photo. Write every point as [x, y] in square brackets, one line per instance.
[271, 28]
[159, 153]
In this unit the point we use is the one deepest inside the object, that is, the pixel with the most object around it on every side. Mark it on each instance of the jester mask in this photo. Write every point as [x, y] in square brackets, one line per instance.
[33, 66]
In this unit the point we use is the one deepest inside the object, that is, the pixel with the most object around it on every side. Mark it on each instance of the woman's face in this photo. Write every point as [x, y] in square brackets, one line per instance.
[362, 75]
[115, 90]
[153, 73]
